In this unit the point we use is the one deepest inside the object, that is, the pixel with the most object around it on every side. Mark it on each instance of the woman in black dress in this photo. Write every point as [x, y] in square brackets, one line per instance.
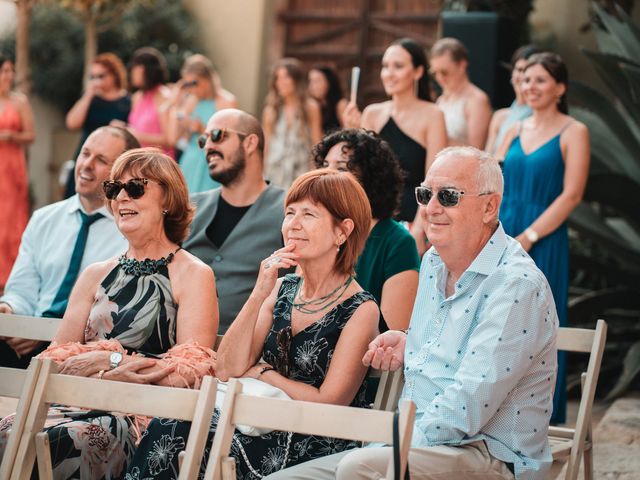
[303, 334]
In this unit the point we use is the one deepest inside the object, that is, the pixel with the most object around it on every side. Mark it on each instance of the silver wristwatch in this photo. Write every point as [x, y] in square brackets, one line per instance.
[114, 360]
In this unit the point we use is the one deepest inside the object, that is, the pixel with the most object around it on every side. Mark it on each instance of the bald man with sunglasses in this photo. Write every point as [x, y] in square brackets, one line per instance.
[479, 356]
[238, 224]
[61, 240]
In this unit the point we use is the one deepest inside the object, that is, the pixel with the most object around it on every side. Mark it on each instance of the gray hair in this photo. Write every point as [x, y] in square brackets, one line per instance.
[489, 179]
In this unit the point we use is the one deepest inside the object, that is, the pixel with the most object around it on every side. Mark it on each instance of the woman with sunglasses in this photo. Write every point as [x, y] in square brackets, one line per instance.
[388, 266]
[195, 98]
[105, 98]
[305, 335]
[467, 110]
[503, 119]
[546, 164]
[411, 124]
[16, 133]
[148, 316]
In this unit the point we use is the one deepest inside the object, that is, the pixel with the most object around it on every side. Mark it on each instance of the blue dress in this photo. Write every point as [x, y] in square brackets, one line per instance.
[193, 161]
[531, 183]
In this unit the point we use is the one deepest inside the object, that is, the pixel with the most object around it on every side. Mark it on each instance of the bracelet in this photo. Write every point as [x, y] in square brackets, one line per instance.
[531, 235]
[100, 374]
[265, 369]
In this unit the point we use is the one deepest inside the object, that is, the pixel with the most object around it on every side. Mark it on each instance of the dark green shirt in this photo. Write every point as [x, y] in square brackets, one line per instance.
[390, 249]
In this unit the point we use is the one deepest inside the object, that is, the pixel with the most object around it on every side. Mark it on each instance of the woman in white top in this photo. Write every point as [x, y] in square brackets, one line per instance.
[466, 108]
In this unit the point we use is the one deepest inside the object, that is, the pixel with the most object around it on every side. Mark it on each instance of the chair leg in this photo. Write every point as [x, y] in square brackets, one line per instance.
[587, 458]
[228, 468]
[43, 454]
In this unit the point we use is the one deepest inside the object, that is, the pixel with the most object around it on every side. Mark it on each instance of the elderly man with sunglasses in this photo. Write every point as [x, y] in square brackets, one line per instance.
[237, 225]
[61, 240]
[480, 355]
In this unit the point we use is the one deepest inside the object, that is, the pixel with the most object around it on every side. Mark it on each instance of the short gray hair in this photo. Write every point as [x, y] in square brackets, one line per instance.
[489, 179]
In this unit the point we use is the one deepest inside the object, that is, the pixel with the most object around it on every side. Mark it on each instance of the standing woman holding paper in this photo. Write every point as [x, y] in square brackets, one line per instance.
[409, 122]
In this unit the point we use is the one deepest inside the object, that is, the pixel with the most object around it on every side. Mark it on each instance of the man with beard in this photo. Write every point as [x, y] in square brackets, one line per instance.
[237, 225]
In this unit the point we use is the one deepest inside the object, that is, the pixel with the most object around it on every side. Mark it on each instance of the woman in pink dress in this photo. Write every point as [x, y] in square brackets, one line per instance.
[16, 132]
[148, 116]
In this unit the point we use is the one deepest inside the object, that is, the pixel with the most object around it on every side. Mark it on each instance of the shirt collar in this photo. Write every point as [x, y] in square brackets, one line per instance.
[75, 205]
[491, 254]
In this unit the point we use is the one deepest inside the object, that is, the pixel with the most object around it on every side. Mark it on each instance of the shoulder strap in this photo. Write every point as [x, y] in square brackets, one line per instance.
[566, 125]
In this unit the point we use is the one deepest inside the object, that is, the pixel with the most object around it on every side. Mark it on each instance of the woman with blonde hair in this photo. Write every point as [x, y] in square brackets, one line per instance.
[195, 98]
[292, 123]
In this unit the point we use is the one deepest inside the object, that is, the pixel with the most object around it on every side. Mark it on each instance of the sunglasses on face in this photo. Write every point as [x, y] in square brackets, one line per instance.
[447, 197]
[134, 188]
[217, 135]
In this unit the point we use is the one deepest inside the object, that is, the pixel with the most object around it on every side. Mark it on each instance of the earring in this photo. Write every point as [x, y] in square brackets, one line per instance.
[165, 212]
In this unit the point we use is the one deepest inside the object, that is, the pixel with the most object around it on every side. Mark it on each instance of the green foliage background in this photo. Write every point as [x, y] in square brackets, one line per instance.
[57, 43]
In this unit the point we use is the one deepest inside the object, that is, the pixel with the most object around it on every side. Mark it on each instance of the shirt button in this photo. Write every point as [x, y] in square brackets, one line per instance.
[218, 258]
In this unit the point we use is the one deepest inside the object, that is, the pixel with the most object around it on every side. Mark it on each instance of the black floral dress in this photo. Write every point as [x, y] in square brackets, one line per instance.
[139, 312]
[304, 357]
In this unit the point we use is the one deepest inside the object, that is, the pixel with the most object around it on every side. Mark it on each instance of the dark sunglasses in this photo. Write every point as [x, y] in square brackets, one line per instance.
[283, 343]
[134, 188]
[447, 197]
[217, 135]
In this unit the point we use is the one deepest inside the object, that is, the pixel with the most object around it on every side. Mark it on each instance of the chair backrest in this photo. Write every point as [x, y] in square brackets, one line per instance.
[585, 341]
[149, 400]
[306, 418]
[32, 328]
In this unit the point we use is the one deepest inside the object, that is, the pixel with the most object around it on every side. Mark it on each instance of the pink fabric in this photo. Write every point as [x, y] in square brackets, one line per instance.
[144, 117]
[14, 192]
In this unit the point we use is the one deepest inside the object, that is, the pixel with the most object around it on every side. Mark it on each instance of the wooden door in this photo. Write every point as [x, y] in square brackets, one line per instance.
[347, 33]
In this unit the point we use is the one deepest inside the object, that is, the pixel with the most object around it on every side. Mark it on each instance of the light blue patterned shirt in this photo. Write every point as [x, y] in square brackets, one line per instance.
[480, 365]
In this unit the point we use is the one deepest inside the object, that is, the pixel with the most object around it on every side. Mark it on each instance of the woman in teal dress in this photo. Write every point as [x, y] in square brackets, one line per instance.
[197, 96]
[546, 164]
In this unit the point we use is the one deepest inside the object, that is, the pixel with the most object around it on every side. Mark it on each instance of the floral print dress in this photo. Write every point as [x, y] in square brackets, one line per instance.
[309, 354]
[139, 312]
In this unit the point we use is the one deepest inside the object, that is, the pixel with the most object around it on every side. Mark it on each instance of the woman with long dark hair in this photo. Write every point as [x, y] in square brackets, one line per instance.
[546, 164]
[410, 122]
[324, 87]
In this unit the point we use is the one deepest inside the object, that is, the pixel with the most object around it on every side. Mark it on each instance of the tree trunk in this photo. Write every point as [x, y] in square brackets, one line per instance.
[23, 69]
[90, 43]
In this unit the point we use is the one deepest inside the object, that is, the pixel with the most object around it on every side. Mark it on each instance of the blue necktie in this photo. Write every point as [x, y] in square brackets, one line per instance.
[59, 305]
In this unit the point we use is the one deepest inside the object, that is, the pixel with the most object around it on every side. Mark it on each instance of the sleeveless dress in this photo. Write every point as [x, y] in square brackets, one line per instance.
[100, 114]
[145, 118]
[14, 188]
[289, 149]
[140, 312]
[531, 183]
[309, 353]
[193, 161]
[412, 157]
[455, 121]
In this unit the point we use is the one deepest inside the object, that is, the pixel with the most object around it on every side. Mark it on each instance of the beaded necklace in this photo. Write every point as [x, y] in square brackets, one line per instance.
[321, 303]
[148, 266]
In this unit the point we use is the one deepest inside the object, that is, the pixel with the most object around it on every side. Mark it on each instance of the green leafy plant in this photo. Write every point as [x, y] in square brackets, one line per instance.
[606, 242]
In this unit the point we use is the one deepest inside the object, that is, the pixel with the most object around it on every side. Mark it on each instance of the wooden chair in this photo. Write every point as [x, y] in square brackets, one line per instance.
[307, 418]
[389, 389]
[571, 445]
[17, 383]
[195, 406]
[31, 328]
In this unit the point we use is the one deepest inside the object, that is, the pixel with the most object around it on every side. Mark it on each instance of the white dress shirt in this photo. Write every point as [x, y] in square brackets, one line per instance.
[45, 253]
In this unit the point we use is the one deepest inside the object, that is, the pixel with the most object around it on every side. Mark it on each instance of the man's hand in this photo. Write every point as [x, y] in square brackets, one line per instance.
[386, 352]
[22, 346]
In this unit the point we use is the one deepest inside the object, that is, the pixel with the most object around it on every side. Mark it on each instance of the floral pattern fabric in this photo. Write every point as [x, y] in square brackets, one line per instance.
[140, 313]
[309, 353]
